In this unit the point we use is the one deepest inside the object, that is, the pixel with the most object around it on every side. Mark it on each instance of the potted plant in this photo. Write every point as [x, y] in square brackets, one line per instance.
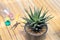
[36, 25]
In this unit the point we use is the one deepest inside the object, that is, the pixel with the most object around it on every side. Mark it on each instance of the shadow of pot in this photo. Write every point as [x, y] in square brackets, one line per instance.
[29, 37]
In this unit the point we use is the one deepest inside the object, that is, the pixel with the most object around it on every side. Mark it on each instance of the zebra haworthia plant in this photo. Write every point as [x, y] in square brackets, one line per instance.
[36, 19]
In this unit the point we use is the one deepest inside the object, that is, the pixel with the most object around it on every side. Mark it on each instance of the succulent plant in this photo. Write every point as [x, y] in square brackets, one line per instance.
[36, 19]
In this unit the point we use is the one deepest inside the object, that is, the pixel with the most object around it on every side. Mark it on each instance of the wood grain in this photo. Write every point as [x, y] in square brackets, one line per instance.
[17, 8]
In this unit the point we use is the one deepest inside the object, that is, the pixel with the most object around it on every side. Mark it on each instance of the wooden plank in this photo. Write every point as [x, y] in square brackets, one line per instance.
[18, 34]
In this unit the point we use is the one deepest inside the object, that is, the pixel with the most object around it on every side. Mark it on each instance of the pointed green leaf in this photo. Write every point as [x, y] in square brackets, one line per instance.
[29, 15]
[45, 18]
[28, 20]
[40, 12]
[45, 12]
[31, 11]
[48, 19]
[35, 15]
[34, 25]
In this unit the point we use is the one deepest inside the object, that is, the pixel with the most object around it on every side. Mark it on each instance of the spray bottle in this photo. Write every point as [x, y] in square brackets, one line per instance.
[5, 12]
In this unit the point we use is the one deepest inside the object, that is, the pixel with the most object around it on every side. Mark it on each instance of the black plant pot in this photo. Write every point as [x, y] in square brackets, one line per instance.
[31, 36]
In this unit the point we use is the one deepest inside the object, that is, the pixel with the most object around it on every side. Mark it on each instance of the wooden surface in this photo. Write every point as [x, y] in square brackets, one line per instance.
[16, 7]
